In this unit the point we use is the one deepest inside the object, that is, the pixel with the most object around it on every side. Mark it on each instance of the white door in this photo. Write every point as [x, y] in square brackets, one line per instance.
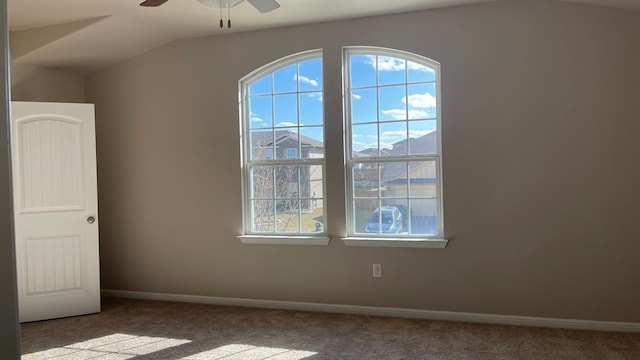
[56, 209]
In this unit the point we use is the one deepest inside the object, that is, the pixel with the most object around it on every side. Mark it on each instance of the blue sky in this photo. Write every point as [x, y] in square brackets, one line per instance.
[295, 102]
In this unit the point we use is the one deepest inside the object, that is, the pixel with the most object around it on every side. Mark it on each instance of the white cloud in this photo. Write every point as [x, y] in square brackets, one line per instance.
[425, 100]
[356, 96]
[397, 114]
[387, 139]
[397, 135]
[386, 63]
[418, 133]
[401, 114]
[394, 135]
[256, 119]
[305, 80]
[418, 67]
[394, 64]
[370, 136]
[287, 123]
[316, 96]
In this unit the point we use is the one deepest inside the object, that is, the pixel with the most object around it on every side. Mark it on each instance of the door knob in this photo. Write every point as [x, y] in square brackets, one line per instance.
[91, 219]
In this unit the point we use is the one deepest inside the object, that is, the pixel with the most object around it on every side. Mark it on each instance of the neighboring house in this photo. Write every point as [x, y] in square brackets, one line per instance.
[419, 176]
[283, 144]
[396, 179]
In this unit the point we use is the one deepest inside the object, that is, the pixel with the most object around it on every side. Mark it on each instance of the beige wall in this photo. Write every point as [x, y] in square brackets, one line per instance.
[541, 176]
[34, 83]
[9, 331]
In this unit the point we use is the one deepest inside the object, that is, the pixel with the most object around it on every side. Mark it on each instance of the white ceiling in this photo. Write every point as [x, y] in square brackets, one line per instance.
[86, 35]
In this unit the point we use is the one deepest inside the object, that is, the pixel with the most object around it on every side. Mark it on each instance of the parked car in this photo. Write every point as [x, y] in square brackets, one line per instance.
[386, 220]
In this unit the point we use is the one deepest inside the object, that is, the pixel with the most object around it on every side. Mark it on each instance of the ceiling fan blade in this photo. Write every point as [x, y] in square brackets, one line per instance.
[153, 3]
[264, 6]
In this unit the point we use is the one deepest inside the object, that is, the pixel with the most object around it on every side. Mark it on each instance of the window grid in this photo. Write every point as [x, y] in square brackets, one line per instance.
[289, 190]
[353, 162]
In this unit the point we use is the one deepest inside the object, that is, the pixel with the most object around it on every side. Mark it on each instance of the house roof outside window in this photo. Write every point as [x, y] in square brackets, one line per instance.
[265, 138]
[397, 172]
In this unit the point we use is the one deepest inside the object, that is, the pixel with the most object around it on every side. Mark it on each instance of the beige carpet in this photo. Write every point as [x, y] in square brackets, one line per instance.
[136, 329]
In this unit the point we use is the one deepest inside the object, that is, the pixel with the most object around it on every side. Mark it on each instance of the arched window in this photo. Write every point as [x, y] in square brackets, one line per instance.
[393, 147]
[283, 150]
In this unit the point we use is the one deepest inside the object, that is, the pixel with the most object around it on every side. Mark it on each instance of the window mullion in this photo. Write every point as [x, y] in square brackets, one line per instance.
[286, 162]
[299, 199]
[391, 159]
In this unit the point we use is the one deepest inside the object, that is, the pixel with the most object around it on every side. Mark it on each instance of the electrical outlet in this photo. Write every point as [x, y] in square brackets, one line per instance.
[377, 270]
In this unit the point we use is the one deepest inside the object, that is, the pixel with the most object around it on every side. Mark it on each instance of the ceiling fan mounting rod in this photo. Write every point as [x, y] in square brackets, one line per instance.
[263, 6]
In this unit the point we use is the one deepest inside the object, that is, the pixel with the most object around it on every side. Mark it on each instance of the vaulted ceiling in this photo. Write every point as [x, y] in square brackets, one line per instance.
[84, 36]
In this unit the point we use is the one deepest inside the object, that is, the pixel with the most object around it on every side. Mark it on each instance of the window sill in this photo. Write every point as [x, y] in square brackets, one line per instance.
[395, 242]
[284, 240]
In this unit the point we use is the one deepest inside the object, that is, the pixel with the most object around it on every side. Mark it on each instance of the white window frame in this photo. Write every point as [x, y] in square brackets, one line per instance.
[249, 236]
[354, 238]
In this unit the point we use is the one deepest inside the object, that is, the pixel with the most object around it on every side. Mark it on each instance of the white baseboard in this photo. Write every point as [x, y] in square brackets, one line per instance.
[386, 311]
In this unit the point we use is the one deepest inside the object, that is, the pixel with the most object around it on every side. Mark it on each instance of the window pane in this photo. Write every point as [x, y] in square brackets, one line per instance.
[419, 73]
[364, 140]
[286, 182]
[310, 75]
[263, 212]
[422, 179]
[366, 180]
[363, 71]
[260, 112]
[314, 176]
[385, 219]
[421, 101]
[394, 179]
[392, 103]
[313, 208]
[311, 109]
[363, 211]
[261, 144]
[262, 182]
[393, 138]
[364, 106]
[285, 110]
[423, 217]
[390, 70]
[313, 198]
[313, 221]
[312, 142]
[287, 216]
[423, 138]
[284, 80]
[261, 86]
[402, 206]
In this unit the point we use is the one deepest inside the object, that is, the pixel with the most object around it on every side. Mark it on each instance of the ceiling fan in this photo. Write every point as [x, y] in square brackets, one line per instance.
[264, 6]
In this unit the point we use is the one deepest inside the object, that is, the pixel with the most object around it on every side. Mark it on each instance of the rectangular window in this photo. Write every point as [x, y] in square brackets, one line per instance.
[394, 190]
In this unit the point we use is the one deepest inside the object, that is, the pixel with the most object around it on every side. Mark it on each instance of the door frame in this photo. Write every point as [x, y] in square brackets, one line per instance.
[10, 336]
